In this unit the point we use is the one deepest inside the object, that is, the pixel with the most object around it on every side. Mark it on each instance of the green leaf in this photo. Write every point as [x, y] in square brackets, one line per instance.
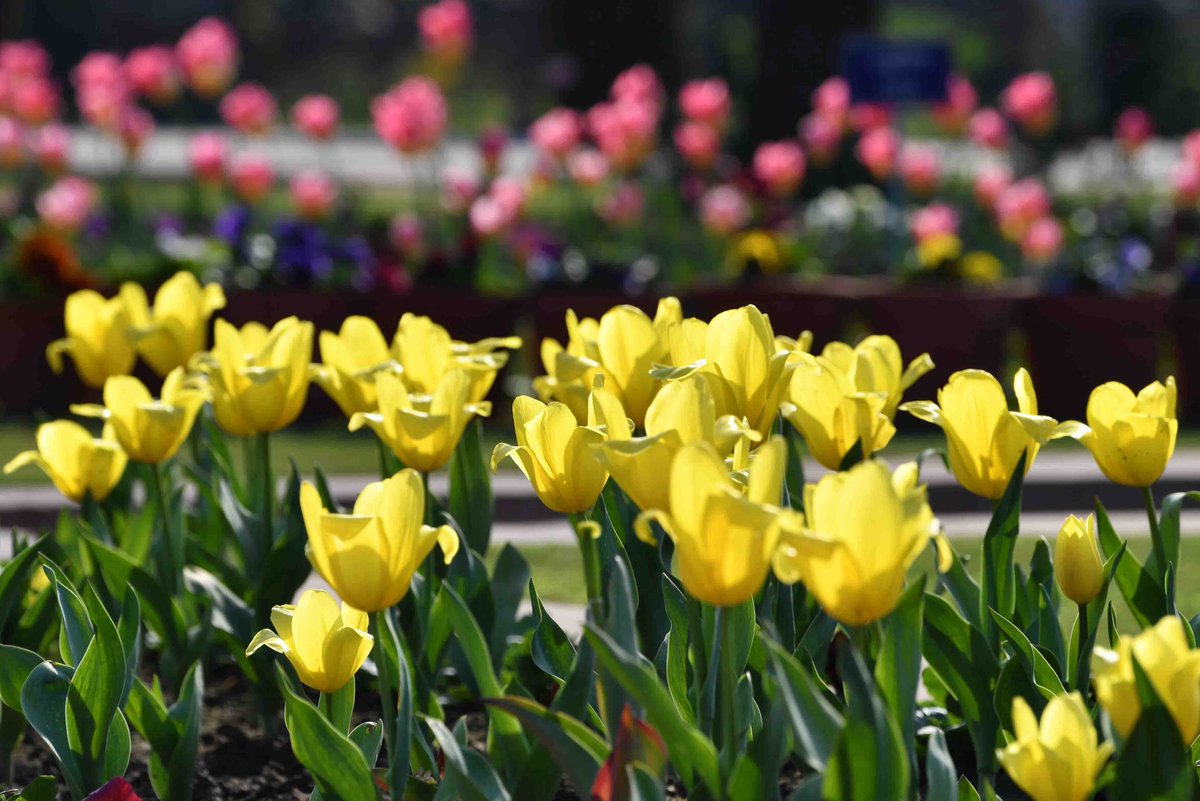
[510, 581]
[94, 697]
[15, 666]
[1154, 764]
[962, 587]
[898, 667]
[998, 582]
[336, 764]
[940, 775]
[1143, 593]
[1095, 613]
[472, 777]
[815, 722]
[852, 457]
[676, 644]
[869, 762]
[471, 503]
[967, 791]
[14, 580]
[43, 788]
[1043, 675]
[693, 755]
[794, 474]
[161, 612]
[368, 736]
[577, 750]
[76, 627]
[44, 704]
[550, 648]
[180, 761]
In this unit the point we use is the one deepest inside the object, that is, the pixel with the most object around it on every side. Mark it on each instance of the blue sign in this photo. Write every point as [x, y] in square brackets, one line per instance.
[880, 71]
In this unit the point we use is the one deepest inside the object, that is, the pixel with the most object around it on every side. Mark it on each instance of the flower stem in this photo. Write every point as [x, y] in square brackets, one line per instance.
[726, 688]
[1155, 533]
[268, 490]
[591, 566]
[1082, 668]
[384, 471]
[172, 546]
[386, 677]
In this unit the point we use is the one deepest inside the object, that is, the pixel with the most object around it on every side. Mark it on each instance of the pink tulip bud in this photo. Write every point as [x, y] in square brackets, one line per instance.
[1185, 182]
[1191, 147]
[557, 132]
[134, 127]
[12, 143]
[153, 73]
[406, 235]
[50, 145]
[706, 101]
[638, 84]
[316, 116]
[699, 144]
[1133, 129]
[207, 153]
[961, 99]
[877, 150]
[493, 141]
[251, 176]
[821, 135]
[587, 166]
[446, 29]
[987, 128]
[35, 101]
[208, 54]
[624, 206]
[920, 169]
[411, 116]
[724, 209]
[869, 116]
[624, 130]
[249, 108]
[488, 216]
[1042, 241]
[25, 59]
[511, 196]
[779, 166]
[313, 194]
[459, 189]
[937, 219]
[66, 205]
[1032, 101]
[101, 91]
[1020, 205]
[990, 182]
[831, 101]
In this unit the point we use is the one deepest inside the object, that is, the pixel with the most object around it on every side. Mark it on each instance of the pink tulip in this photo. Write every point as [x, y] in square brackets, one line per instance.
[724, 209]
[488, 216]
[35, 101]
[154, 74]
[12, 143]
[1185, 183]
[25, 59]
[699, 144]
[446, 29]
[1032, 101]
[50, 145]
[624, 206]
[987, 128]
[831, 101]
[6, 92]
[406, 235]
[66, 205]
[920, 169]
[638, 84]
[821, 135]
[1133, 129]
[557, 132]
[937, 219]
[1020, 205]
[134, 127]
[101, 91]
[98, 68]
[411, 116]
[208, 54]
[706, 101]
[459, 188]
[511, 196]
[990, 182]
[249, 108]
[251, 176]
[877, 150]
[961, 99]
[1042, 241]
[316, 116]
[779, 166]
[587, 166]
[624, 131]
[313, 194]
[869, 116]
[207, 153]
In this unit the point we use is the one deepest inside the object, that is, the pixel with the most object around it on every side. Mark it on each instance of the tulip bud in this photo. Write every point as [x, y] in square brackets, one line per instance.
[1077, 564]
[326, 645]
[1131, 437]
[99, 337]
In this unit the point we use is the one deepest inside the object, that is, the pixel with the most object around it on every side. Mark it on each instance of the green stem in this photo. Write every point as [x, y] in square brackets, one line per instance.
[591, 567]
[726, 688]
[172, 548]
[386, 691]
[268, 490]
[1082, 668]
[1155, 535]
[385, 471]
[338, 706]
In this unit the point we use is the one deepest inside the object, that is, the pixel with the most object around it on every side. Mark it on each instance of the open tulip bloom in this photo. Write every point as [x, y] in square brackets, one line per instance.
[100, 337]
[78, 464]
[175, 328]
[326, 645]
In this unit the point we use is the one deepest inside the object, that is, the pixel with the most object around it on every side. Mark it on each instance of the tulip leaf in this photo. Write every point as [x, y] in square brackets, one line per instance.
[576, 749]
[852, 457]
[286, 568]
[962, 588]
[43, 788]
[94, 697]
[756, 772]
[815, 722]
[793, 483]
[508, 586]
[161, 612]
[76, 631]
[998, 580]
[368, 736]
[940, 776]
[898, 666]
[229, 612]
[1081, 669]
[44, 704]
[693, 755]
[1143, 593]
[14, 579]
[471, 503]
[471, 776]
[336, 764]
[676, 643]
[869, 761]
[15, 666]
[1043, 674]
[549, 647]
[1154, 764]
[1168, 523]
[967, 791]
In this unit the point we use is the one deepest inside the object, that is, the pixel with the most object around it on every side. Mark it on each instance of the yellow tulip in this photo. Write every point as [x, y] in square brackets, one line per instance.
[176, 328]
[681, 413]
[831, 414]
[1078, 567]
[725, 537]
[422, 430]
[873, 524]
[350, 360]
[326, 645]
[1060, 759]
[555, 452]
[984, 439]
[259, 378]
[426, 353]
[150, 431]
[569, 377]
[1131, 437]
[100, 337]
[1172, 667]
[76, 462]
[369, 557]
[874, 366]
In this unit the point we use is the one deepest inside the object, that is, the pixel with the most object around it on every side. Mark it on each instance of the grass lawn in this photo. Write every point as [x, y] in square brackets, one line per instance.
[557, 574]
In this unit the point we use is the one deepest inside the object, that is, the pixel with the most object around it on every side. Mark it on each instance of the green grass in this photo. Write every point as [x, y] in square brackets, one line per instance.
[557, 571]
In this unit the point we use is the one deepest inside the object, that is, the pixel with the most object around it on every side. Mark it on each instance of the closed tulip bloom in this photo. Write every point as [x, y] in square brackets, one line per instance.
[426, 353]
[369, 557]
[1078, 567]
[984, 439]
[351, 358]
[1173, 668]
[175, 329]
[259, 378]
[824, 406]
[571, 370]
[875, 365]
[99, 340]
[325, 644]
[422, 430]
[150, 431]
[1059, 759]
[76, 462]
[1131, 437]
[725, 538]
[872, 523]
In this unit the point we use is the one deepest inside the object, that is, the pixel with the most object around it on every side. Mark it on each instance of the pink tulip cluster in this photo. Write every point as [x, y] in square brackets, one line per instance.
[557, 132]
[411, 116]
[250, 109]
[724, 209]
[313, 194]
[626, 127]
[154, 74]
[706, 106]
[920, 169]
[445, 29]
[26, 90]
[208, 55]
[877, 150]
[961, 99]
[496, 211]
[67, 203]
[1024, 216]
[936, 219]
[779, 167]
[101, 91]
